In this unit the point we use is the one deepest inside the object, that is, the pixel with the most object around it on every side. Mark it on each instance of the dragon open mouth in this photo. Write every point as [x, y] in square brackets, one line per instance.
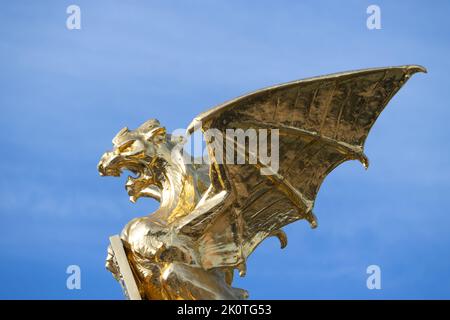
[141, 181]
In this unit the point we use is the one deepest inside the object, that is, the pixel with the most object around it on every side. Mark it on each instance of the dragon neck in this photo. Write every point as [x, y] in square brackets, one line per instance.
[178, 189]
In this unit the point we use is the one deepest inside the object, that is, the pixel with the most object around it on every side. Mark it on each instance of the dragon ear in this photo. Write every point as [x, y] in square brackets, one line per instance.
[152, 131]
[149, 125]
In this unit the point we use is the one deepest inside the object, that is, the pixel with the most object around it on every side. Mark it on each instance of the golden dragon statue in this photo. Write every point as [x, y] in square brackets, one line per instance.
[212, 215]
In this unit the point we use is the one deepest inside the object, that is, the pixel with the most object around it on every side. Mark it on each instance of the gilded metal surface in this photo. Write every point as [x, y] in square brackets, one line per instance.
[212, 217]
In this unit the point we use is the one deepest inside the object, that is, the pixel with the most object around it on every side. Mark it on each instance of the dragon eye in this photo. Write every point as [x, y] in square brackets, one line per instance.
[127, 146]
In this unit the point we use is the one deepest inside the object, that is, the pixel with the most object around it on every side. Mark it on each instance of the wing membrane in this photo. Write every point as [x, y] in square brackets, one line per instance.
[322, 122]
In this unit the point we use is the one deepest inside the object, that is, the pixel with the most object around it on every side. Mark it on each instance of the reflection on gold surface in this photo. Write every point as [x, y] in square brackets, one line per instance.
[213, 216]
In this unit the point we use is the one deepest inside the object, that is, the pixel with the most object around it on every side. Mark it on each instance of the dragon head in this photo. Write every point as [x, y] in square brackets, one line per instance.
[141, 152]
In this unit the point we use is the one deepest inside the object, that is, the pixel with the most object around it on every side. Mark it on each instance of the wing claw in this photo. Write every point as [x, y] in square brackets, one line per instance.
[281, 235]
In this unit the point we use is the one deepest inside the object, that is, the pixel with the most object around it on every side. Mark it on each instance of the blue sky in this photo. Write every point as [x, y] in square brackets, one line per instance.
[65, 93]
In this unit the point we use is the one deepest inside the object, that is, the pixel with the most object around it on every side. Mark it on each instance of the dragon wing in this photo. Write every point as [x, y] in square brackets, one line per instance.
[322, 122]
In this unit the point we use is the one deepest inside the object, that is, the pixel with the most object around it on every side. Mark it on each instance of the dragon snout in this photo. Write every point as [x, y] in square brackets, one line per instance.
[106, 165]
